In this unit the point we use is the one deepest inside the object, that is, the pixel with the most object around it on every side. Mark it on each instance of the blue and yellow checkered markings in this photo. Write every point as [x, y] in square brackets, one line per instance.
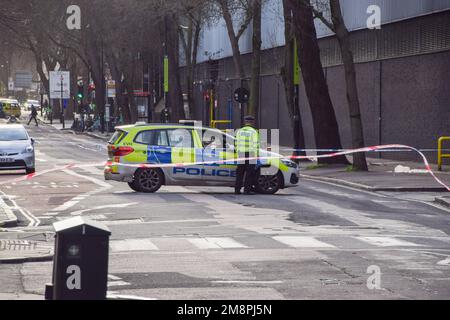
[156, 154]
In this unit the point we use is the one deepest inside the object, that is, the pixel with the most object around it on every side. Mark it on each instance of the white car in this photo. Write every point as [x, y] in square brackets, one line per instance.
[35, 103]
[16, 149]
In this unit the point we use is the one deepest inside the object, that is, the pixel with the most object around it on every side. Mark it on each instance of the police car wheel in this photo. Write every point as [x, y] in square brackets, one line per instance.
[134, 186]
[268, 184]
[148, 180]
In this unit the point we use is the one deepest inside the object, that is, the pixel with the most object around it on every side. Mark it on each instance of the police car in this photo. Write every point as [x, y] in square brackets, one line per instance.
[147, 156]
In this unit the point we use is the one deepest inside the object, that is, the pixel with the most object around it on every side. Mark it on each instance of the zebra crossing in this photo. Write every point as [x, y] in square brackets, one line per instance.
[275, 242]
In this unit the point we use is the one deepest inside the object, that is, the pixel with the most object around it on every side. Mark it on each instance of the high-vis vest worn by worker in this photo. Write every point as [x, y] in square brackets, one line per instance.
[247, 141]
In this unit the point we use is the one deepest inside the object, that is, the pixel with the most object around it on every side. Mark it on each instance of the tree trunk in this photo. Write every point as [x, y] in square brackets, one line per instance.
[117, 77]
[190, 47]
[239, 67]
[359, 159]
[95, 60]
[41, 73]
[196, 41]
[288, 80]
[326, 129]
[256, 61]
[175, 95]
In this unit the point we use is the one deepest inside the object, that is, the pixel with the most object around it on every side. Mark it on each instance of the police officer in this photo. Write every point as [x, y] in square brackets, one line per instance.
[247, 146]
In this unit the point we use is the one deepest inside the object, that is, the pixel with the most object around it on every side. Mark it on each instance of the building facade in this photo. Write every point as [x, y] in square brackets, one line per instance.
[403, 72]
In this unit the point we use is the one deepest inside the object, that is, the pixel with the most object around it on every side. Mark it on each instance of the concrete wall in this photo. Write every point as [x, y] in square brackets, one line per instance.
[403, 85]
[412, 95]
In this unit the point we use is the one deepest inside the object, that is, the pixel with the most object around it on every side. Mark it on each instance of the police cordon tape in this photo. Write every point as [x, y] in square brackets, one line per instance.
[385, 150]
[233, 161]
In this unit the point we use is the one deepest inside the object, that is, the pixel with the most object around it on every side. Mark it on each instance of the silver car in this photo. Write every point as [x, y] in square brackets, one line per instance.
[16, 149]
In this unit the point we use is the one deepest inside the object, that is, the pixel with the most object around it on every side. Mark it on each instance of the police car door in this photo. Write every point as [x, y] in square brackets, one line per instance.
[218, 155]
[184, 153]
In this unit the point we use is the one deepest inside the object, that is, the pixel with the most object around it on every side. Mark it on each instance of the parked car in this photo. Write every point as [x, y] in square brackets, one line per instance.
[10, 107]
[16, 148]
[35, 103]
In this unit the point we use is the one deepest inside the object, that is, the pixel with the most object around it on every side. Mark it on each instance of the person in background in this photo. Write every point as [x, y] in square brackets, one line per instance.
[34, 114]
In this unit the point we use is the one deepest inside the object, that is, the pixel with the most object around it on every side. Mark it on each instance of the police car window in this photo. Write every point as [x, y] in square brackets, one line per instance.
[144, 137]
[213, 139]
[180, 138]
[162, 139]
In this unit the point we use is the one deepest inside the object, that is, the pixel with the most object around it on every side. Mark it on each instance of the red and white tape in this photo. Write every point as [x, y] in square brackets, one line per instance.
[234, 160]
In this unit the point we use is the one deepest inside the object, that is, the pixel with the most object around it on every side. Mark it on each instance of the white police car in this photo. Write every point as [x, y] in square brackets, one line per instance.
[148, 156]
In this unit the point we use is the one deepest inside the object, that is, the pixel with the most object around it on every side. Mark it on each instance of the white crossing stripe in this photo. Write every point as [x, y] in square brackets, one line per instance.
[302, 242]
[117, 283]
[387, 242]
[132, 245]
[96, 217]
[216, 243]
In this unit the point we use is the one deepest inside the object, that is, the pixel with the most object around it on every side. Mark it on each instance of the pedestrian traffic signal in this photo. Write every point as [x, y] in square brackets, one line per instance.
[80, 94]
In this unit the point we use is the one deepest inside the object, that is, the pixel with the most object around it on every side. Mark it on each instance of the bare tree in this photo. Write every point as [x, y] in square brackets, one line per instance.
[195, 16]
[287, 74]
[326, 130]
[228, 7]
[337, 25]
[256, 59]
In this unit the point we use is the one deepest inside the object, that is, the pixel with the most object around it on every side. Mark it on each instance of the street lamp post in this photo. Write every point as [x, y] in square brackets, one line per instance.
[102, 108]
[166, 66]
[41, 92]
[62, 104]
[149, 103]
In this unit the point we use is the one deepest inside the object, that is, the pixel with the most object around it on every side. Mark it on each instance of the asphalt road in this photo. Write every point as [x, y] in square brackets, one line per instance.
[316, 241]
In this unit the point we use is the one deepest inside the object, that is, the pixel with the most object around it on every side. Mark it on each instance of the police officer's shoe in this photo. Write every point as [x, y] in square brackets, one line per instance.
[248, 191]
[237, 191]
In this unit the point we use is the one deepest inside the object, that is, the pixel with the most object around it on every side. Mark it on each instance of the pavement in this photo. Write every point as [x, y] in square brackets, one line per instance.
[67, 127]
[385, 176]
[7, 217]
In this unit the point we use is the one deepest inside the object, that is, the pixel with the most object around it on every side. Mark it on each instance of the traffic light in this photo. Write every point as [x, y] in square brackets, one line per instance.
[80, 94]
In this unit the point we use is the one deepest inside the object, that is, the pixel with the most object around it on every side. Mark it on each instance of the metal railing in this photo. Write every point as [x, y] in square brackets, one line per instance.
[214, 123]
[440, 154]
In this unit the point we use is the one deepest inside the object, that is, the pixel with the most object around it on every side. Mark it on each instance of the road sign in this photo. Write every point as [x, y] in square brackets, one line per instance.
[111, 88]
[107, 112]
[56, 78]
[23, 79]
[241, 95]
[10, 84]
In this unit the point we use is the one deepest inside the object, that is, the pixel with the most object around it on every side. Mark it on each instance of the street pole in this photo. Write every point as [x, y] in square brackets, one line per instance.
[102, 115]
[62, 106]
[166, 66]
[42, 100]
[241, 106]
[7, 75]
[149, 108]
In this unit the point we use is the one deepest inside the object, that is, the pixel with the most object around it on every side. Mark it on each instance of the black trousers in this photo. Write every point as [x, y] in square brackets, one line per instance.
[246, 173]
[33, 117]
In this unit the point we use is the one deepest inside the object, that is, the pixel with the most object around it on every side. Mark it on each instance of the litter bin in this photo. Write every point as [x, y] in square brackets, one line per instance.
[80, 263]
